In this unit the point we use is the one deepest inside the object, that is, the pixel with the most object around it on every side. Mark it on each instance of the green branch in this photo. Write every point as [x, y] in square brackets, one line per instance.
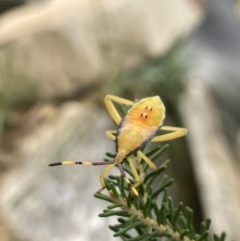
[157, 219]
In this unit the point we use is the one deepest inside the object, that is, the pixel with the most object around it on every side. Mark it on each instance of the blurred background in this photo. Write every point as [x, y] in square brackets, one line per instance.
[58, 60]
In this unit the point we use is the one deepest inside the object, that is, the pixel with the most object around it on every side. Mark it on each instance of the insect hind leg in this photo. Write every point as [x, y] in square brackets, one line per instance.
[104, 173]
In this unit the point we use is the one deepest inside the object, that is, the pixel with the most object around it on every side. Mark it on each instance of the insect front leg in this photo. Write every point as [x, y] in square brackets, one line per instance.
[108, 100]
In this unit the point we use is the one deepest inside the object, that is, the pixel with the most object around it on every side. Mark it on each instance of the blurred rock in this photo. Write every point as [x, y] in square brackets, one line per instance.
[43, 203]
[237, 148]
[58, 48]
[215, 169]
[237, 8]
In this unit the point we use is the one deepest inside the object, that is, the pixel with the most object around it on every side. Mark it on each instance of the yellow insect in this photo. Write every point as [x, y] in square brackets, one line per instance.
[134, 131]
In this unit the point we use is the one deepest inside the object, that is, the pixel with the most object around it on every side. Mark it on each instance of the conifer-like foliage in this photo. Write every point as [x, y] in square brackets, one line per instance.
[156, 219]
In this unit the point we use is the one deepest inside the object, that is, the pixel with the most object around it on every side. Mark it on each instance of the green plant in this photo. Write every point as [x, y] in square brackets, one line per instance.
[157, 219]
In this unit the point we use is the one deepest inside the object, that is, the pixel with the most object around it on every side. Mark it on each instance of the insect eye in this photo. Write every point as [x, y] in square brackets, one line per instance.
[146, 116]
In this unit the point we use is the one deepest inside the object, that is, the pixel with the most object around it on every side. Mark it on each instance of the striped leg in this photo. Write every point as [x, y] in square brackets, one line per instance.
[103, 174]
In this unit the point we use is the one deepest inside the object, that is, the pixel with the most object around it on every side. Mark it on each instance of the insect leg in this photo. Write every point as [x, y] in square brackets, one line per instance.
[112, 109]
[134, 172]
[147, 160]
[104, 173]
[80, 163]
[110, 134]
[176, 132]
[129, 183]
